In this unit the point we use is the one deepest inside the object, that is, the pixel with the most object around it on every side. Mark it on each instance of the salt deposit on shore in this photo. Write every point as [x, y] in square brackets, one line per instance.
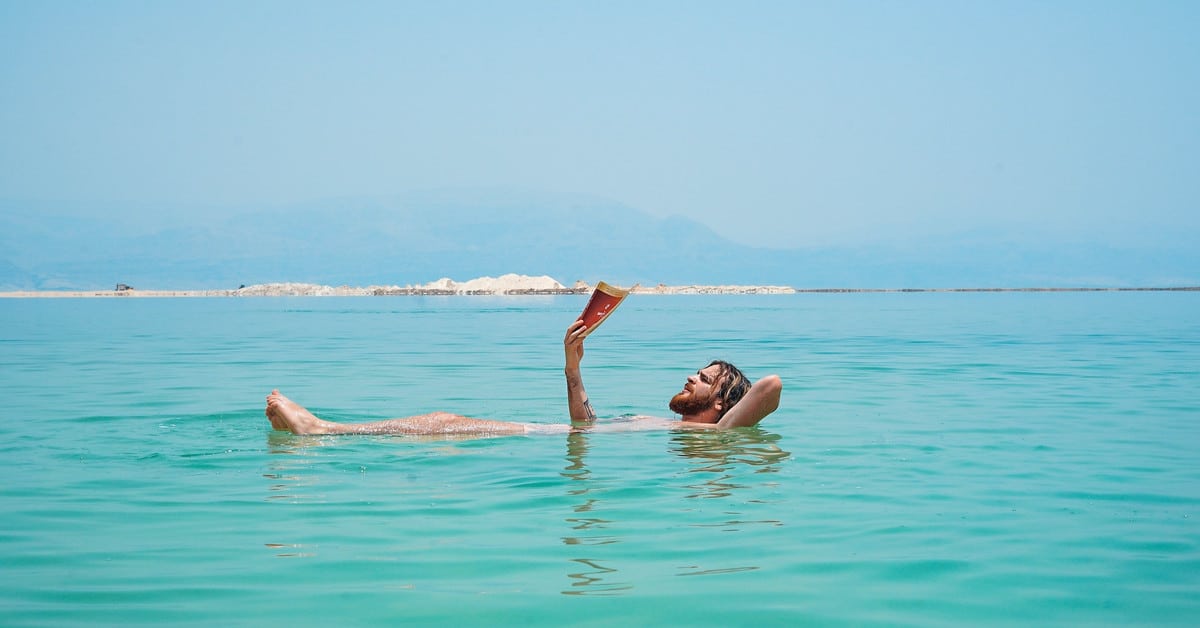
[510, 284]
[723, 289]
[504, 284]
[298, 290]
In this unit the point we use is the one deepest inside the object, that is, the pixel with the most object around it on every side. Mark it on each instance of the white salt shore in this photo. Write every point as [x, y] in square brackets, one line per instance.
[510, 284]
[505, 284]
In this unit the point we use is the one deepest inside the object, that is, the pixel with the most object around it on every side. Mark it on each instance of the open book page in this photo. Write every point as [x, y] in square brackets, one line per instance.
[605, 299]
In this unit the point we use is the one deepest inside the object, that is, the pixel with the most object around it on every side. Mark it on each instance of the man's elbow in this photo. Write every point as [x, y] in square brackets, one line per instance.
[772, 386]
[766, 392]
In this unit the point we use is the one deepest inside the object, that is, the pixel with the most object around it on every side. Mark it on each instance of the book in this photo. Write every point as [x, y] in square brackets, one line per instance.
[604, 300]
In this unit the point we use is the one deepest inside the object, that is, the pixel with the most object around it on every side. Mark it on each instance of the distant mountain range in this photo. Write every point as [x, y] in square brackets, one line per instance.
[46, 246]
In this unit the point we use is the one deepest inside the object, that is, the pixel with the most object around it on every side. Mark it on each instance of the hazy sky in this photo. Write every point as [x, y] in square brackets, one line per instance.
[789, 123]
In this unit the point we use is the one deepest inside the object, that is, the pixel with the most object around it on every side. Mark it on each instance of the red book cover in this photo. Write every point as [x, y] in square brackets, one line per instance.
[605, 299]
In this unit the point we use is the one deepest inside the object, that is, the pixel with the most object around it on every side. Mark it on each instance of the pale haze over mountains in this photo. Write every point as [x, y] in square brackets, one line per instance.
[198, 145]
[462, 235]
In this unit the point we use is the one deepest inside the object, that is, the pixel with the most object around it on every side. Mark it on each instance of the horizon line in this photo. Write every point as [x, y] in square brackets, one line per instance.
[688, 290]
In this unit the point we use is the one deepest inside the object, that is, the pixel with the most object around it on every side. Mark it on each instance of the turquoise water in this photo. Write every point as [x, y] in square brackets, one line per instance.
[939, 459]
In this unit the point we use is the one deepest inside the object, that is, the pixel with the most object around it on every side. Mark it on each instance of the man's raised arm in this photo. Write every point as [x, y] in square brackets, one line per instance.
[577, 399]
[762, 400]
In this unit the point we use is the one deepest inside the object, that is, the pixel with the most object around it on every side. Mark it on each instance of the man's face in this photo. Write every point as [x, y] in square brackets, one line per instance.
[699, 393]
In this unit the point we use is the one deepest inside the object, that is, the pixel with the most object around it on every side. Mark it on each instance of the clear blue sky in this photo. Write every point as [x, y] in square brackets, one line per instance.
[789, 123]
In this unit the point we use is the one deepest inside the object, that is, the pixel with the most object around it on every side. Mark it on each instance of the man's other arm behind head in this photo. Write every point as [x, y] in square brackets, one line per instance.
[762, 400]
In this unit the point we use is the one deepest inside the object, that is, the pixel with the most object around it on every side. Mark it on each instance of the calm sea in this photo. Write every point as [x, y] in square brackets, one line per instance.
[938, 459]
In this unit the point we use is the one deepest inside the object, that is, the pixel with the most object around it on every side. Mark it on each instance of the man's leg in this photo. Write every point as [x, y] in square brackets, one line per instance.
[285, 414]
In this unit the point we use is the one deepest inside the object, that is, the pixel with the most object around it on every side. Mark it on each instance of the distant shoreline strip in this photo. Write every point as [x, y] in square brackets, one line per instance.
[1124, 289]
[324, 291]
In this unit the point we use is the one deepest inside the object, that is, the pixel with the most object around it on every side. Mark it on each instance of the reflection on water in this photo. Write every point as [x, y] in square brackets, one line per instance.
[715, 480]
[587, 530]
[289, 481]
[286, 483]
[693, 570]
[293, 550]
[592, 581]
[719, 452]
[721, 457]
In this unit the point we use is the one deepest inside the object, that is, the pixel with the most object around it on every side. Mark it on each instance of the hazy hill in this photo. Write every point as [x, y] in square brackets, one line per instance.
[417, 240]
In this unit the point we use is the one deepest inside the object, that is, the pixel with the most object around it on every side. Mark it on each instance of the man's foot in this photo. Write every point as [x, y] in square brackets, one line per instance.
[285, 414]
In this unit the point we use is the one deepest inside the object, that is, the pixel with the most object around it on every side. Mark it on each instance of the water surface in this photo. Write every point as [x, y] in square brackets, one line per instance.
[939, 459]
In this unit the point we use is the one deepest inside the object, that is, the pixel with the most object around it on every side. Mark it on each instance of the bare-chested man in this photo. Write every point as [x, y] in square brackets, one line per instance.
[717, 396]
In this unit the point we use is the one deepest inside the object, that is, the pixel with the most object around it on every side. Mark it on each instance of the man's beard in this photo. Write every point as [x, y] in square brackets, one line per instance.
[686, 403]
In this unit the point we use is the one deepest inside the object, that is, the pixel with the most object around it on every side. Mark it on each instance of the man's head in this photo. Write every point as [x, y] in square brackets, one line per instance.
[719, 386]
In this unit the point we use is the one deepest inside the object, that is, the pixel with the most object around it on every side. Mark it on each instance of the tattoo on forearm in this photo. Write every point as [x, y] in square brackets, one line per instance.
[578, 398]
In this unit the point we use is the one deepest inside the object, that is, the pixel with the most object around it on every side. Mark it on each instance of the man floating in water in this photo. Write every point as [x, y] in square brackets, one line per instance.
[717, 396]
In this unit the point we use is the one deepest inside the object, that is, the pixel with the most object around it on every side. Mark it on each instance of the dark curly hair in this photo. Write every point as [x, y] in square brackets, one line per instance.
[733, 385]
